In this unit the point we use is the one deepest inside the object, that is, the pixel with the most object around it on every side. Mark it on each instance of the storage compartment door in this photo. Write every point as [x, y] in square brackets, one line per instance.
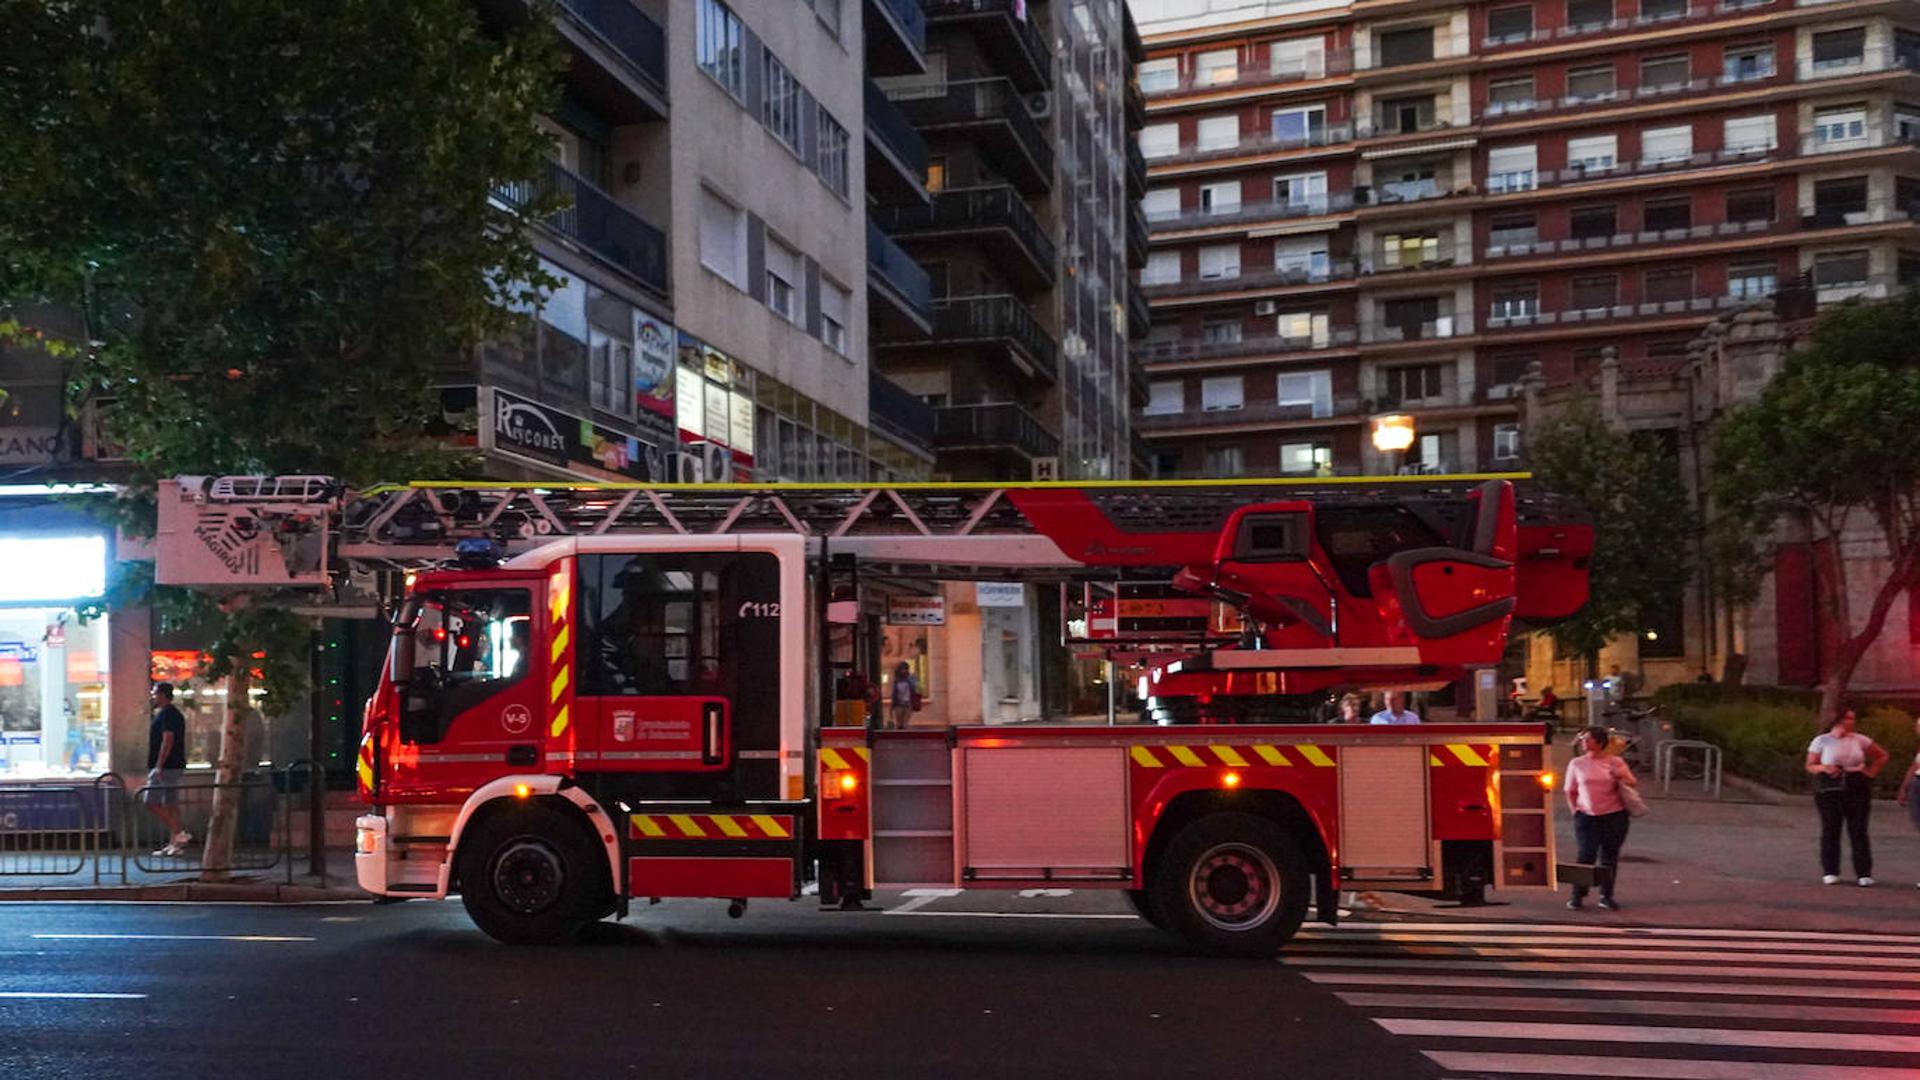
[1385, 833]
[1045, 812]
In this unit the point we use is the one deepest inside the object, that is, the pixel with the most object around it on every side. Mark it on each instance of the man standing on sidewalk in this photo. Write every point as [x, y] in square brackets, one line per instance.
[166, 761]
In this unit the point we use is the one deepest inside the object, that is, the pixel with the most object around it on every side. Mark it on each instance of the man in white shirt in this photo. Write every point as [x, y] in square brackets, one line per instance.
[1396, 711]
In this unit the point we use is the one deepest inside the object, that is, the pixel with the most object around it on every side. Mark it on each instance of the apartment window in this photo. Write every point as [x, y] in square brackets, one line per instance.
[1218, 132]
[1906, 269]
[1220, 198]
[1167, 397]
[1224, 461]
[1220, 331]
[1592, 222]
[1594, 153]
[723, 238]
[936, 174]
[1749, 134]
[1662, 10]
[1659, 72]
[1596, 292]
[1672, 212]
[1304, 58]
[831, 154]
[1409, 249]
[1159, 204]
[1750, 205]
[1306, 389]
[1412, 384]
[1405, 115]
[610, 352]
[1223, 393]
[1839, 126]
[1219, 261]
[1668, 285]
[1666, 144]
[1163, 268]
[718, 46]
[1592, 83]
[1413, 316]
[1305, 259]
[783, 280]
[1839, 48]
[1511, 367]
[781, 111]
[1745, 63]
[1588, 14]
[1510, 95]
[1306, 459]
[1303, 189]
[1906, 123]
[1216, 68]
[1834, 199]
[1513, 168]
[1300, 127]
[1515, 301]
[1160, 140]
[1410, 46]
[1309, 326]
[835, 302]
[1508, 24]
[1159, 75]
[1406, 183]
[1840, 269]
[1513, 230]
[1506, 442]
[1437, 453]
[1752, 281]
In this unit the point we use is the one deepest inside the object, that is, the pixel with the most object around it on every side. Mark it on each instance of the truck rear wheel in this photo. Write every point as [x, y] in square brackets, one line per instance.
[529, 876]
[1232, 883]
[1142, 903]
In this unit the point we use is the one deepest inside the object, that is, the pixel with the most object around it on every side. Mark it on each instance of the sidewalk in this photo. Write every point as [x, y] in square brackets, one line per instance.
[245, 886]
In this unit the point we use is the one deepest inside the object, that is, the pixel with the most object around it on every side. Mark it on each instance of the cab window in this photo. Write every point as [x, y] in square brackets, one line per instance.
[453, 649]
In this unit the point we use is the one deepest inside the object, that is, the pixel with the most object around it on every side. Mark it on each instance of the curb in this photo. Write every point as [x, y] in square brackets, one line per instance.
[192, 892]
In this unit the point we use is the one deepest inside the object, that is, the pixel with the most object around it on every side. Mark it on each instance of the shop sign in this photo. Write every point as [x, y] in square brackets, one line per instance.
[653, 370]
[548, 435]
[19, 651]
[916, 611]
[999, 594]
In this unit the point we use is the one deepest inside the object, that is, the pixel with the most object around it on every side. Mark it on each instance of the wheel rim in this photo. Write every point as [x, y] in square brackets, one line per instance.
[528, 876]
[1234, 887]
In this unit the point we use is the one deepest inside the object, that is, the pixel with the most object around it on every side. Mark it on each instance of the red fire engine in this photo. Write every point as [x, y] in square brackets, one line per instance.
[635, 703]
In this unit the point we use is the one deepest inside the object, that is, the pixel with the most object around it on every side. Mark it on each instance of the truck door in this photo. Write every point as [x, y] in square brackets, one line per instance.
[679, 661]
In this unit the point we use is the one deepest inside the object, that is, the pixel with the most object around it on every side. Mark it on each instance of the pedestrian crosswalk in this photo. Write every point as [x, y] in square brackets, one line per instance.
[1569, 1000]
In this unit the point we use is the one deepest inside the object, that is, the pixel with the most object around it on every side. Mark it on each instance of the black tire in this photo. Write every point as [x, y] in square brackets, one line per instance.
[529, 875]
[1232, 884]
[1142, 902]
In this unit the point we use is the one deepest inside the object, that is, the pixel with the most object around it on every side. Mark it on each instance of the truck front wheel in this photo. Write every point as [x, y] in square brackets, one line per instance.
[1231, 883]
[528, 876]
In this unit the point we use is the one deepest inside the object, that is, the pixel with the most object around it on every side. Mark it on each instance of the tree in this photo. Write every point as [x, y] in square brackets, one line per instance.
[276, 220]
[1643, 524]
[1831, 442]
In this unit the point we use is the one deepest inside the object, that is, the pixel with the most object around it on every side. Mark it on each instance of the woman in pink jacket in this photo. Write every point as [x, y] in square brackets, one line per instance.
[1600, 817]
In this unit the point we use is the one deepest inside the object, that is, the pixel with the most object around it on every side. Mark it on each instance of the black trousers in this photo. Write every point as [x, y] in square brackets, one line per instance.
[1849, 805]
[1599, 837]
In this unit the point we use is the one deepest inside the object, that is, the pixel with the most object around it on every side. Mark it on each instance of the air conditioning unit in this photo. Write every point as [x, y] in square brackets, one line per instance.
[1266, 307]
[686, 467]
[717, 460]
[1039, 106]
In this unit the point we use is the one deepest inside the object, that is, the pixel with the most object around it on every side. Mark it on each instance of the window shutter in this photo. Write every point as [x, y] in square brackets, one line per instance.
[756, 258]
[812, 301]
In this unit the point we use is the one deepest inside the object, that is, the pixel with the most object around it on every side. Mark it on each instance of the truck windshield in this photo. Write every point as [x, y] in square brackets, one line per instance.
[453, 649]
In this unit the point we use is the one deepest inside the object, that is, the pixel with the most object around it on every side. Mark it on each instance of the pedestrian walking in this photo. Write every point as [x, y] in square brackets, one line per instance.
[902, 694]
[166, 763]
[1908, 797]
[1600, 817]
[1843, 762]
[1396, 711]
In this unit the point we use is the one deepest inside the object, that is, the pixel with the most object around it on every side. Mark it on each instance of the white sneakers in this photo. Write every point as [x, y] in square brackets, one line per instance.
[1866, 882]
[1830, 879]
[176, 846]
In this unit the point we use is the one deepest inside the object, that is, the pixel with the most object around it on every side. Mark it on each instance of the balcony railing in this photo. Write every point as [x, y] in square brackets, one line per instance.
[598, 222]
[985, 101]
[1157, 352]
[1334, 62]
[897, 270]
[961, 210]
[1012, 34]
[1870, 212]
[1613, 170]
[1883, 58]
[1001, 424]
[1434, 329]
[1446, 46]
[1139, 312]
[1260, 210]
[638, 39]
[1390, 259]
[1262, 142]
[910, 17]
[894, 411]
[1136, 168]
[1328, 270]
[1386, 122]
[1138, 233]
[996, 318]
[890, 127]
[1571, 245]
[1871, 137]
[1262, 412]
[1691, 305]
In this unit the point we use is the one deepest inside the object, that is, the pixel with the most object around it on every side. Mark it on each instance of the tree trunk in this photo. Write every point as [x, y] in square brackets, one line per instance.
[217, 857]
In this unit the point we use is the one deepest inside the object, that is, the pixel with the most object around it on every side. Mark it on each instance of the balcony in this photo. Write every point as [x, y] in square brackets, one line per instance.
[1342, 409]
[1438, 328]
[1609, 169]
[1700, 306]
[1139, 313]
[1386, 123]
[598, 223]
[998, 426]
[893, 411]
[1837, 214]
[993, 115]
[896, 37]
[1865, 62]
[1253, 212]
[1520, 247]
[1335, 62]
[1326, 271]
[1270, 345]
[994, 216]
[1262, 143]
[897, 155]
[1835, 140]
[1439, 46]
[1000, 322]
[1136, 104]
[1136, 171]
[1137, 235]
[1004, 32]
[618, 58]
[895, 278]
[1393, 259]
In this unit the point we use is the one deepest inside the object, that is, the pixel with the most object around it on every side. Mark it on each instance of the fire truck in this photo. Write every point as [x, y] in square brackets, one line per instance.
[597, 694]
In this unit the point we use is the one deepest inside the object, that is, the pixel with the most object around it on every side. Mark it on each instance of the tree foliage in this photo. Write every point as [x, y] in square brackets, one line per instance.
[1831, 441]
[1644, 525]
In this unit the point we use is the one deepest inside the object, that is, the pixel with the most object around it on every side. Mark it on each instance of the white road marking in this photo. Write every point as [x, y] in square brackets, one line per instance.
[1031, 894]
[168, 937]
[1518, 1003]
[69, 994]
[919, 898]
[1641, 986]
[1656, 1068]
[1911, 978]
[1615, 1034]
[1522, 941]
[1434, 951]
[1588, 929]
[902, 910]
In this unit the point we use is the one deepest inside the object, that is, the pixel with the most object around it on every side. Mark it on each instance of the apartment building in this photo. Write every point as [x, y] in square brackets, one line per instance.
[1398, 206]
[1025, 225]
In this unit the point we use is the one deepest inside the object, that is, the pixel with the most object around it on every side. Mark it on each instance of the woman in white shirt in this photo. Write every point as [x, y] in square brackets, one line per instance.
[1843, 763]
[1908, 797]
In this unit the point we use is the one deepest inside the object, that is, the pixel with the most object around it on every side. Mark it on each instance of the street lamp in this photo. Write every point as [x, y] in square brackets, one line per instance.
[1392, 434]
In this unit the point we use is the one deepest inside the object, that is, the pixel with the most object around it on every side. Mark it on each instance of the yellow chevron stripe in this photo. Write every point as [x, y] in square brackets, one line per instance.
[559, 723]
[770, 825]
[648, 826]
[686, 825]
[1228, 756]
[865, 754]
[832, 758]
[1467, 754]
[1434, 759]
[561, 679]
[366, 774]
[728, 825]
[560, 596]
[1315, 755]
[1185, 756]
[1144, 757]
[1271, 755]
[560, 642]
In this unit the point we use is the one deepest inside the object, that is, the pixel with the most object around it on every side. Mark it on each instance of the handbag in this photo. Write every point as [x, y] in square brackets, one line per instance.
[1635, 803]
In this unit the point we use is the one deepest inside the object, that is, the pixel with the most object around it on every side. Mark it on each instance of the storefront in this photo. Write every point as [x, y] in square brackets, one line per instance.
[54, 660]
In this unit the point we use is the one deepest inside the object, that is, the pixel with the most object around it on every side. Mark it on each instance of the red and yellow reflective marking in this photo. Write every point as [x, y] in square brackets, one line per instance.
[1285, 755]
[1455, 755]
[710, 826]
[363, 764]
[559, 609]
[834, 758]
